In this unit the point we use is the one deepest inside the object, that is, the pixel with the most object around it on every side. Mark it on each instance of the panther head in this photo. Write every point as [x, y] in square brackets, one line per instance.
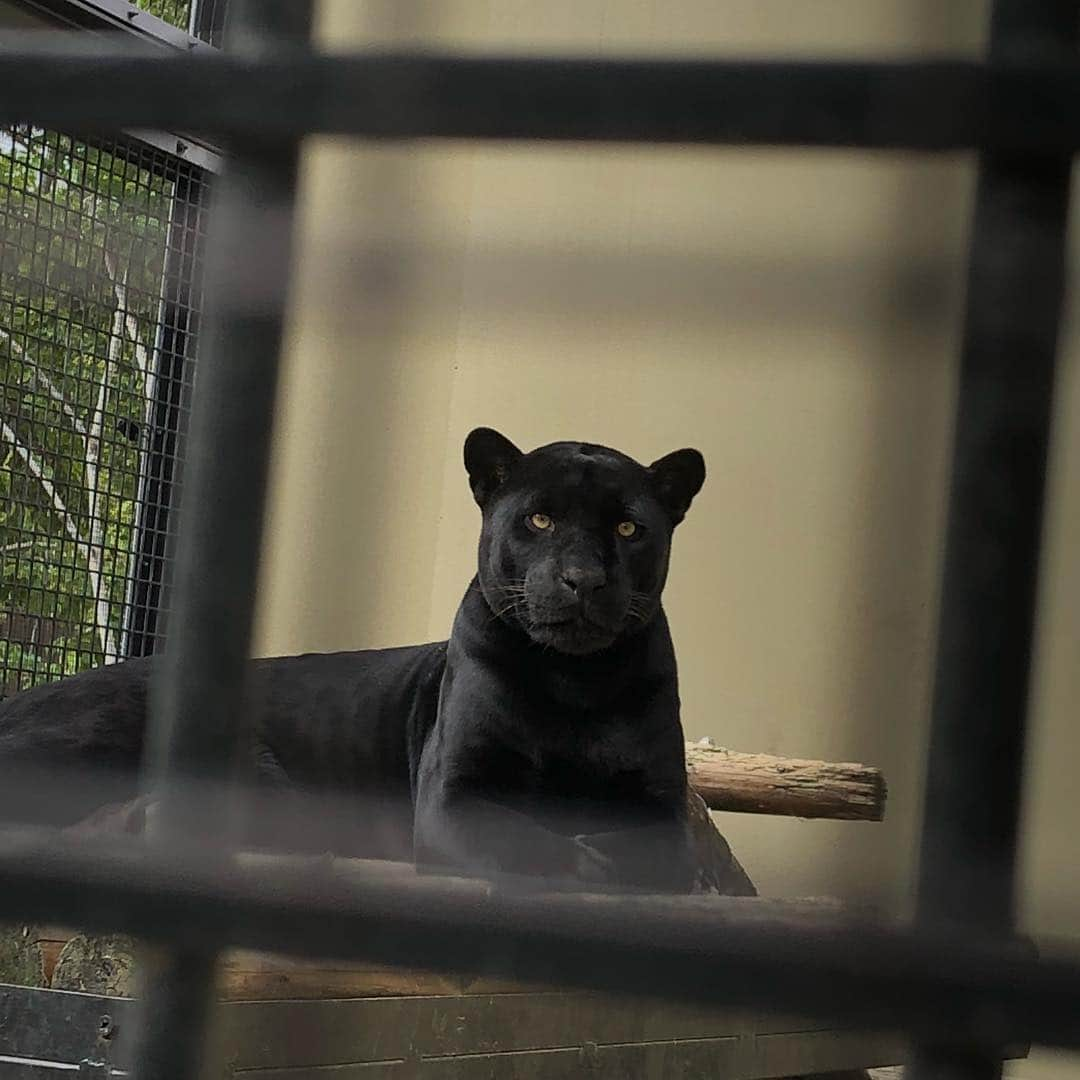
[576, 537]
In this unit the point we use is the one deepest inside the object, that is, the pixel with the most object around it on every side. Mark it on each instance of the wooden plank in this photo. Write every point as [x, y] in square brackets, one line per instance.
[259, 1035]
[677, 1060]
[249, 976]
[380, 1070]
[800, 1052]
[512, 1037]
[689, 1060]
[664, 1060]
[51, 940]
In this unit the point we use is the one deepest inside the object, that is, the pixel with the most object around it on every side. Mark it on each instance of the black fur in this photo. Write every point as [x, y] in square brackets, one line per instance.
[542, 739]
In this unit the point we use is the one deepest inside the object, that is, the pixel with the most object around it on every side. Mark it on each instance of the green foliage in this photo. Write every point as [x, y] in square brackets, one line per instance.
[174, 12]
[69, 212]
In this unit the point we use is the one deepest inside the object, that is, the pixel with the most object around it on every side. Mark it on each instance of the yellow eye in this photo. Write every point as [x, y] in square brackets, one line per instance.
[626, 528]
[541, 521]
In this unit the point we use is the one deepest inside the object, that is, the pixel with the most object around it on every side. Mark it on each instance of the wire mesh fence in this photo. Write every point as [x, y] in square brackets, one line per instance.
[99, 306]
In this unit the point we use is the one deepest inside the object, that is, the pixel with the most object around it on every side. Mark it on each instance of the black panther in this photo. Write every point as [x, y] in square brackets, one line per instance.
[543, 739]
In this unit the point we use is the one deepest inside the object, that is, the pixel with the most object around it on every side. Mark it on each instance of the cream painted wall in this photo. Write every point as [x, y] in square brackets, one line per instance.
[793, 314]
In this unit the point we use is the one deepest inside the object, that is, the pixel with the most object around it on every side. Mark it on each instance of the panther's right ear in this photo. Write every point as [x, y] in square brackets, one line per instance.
[489, 457]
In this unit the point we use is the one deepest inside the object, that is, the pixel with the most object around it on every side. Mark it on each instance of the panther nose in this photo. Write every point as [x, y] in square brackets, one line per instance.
[582, 581]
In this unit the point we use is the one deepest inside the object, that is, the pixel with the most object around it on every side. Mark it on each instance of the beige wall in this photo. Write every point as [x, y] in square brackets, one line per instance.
[792, 314]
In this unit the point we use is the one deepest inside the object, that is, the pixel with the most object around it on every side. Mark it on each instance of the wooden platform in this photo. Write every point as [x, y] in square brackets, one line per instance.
[486, 1036]
[297, 1020]
[287, 1019]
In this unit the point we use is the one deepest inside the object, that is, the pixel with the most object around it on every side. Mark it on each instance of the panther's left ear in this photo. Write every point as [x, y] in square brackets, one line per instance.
[676, 479]
[489, 458]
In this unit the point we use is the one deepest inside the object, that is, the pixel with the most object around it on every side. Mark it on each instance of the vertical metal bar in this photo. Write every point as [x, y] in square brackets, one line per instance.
[208, 21]
[195, 728]
[1015, 286]
[172, 358]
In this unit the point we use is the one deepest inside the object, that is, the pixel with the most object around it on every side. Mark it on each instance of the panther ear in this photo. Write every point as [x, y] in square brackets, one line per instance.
[676, 479]
[489, 457]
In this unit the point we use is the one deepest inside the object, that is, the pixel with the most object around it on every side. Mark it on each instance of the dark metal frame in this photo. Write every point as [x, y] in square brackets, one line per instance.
[965, 989]
[175, 354]
[126, 17]
[123, 20]
[926, 105]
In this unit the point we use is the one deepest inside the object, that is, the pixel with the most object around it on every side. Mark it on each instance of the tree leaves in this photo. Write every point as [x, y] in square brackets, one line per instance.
[75, 219]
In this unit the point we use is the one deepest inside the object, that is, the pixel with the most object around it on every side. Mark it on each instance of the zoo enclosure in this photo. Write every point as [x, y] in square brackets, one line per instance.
[963, 992]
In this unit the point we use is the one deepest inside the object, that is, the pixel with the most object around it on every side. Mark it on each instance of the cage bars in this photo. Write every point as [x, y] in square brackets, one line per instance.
[959, 983]
[914, 105]
[1016, 284]
[1019, 108]
[197, 703]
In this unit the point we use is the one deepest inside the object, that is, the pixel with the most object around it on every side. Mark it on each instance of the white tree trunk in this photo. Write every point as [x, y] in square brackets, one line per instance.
[142, 357]
[91, 546]
[147, 366]
[44, 382]
[67, 519]
[98, 587]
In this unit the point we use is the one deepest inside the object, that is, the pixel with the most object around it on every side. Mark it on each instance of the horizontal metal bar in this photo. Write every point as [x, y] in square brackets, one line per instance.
[111, 16]
[947, 105]
[184, 147]
[720, 950]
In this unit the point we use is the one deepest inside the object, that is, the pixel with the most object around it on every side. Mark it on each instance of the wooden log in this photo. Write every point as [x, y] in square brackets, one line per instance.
[725, 779]
[792, 787]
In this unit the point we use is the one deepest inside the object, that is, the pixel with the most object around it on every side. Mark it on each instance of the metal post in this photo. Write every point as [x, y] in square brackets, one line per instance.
[173, 362]
[1015, 288]
[197, 702]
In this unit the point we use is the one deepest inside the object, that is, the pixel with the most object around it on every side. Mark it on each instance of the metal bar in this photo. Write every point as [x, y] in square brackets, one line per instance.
[184, 147]
[700, 949]
[112, 16]
[937, 981]
[1016, 283]
[173, 355]
[1015, 289]
[208, 20]
[119, 15]
[903, 105]
[197, 703]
